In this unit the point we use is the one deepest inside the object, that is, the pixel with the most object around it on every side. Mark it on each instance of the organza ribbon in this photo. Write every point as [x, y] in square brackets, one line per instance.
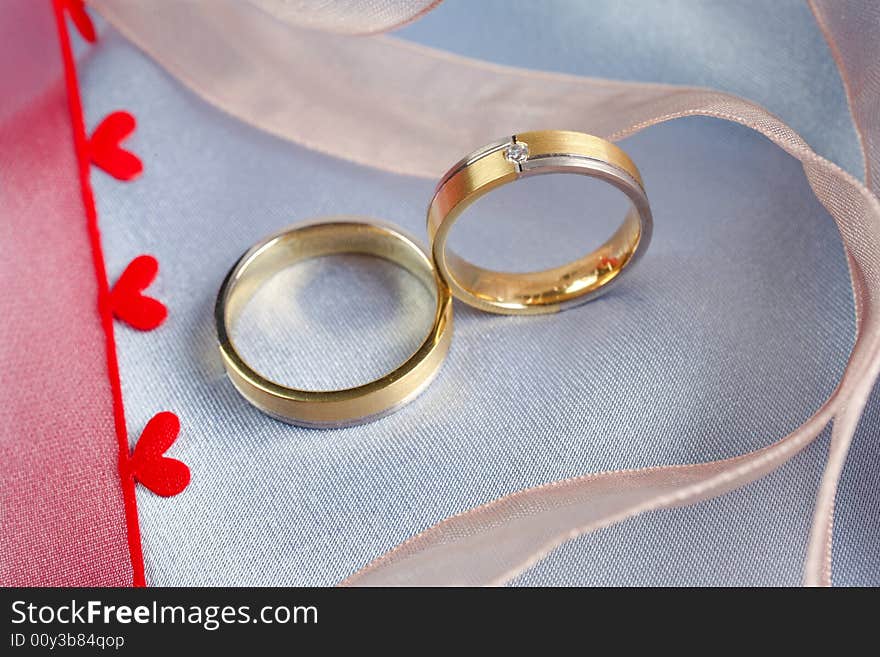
[346, 16]
[354, 98]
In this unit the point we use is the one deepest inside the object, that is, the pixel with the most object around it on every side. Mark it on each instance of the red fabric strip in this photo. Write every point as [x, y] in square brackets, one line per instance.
[67, 517]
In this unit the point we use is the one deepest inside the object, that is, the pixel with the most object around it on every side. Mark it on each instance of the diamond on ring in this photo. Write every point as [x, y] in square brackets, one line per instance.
[517, 152]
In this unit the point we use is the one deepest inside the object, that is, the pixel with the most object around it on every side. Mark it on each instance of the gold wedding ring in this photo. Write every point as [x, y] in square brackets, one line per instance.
[508, 160]
[332, 408]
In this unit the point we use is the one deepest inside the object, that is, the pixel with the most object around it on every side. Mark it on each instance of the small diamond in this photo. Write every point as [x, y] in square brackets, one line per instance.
[517, 152]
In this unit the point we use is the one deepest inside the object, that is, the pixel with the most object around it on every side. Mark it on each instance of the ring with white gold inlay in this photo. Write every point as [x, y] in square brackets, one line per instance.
[527, 154]
[348, 406]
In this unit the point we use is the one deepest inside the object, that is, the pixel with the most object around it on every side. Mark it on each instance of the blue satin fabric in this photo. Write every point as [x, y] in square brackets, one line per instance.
[733, 329]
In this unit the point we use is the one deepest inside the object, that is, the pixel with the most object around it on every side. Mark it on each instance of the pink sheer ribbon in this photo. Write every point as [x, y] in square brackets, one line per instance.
[851, 30]
[236, 56]
[346, 16]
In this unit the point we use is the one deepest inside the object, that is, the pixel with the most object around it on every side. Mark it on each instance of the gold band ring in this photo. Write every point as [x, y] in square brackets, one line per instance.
[526, 154]
[332, 408]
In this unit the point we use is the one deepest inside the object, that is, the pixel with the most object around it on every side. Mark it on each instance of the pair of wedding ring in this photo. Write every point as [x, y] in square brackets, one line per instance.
[443, 272]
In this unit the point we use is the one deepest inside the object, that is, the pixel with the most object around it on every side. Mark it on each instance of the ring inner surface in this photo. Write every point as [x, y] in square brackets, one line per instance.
[555, 285]
[315, 241]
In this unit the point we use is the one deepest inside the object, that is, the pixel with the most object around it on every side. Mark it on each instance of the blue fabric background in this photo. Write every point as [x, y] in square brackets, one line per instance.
[734, 328]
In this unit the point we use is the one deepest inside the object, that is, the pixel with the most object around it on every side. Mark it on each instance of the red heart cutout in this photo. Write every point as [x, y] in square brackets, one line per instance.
[105, 151]
[162, 475]
[129, 304]
[77, 11]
